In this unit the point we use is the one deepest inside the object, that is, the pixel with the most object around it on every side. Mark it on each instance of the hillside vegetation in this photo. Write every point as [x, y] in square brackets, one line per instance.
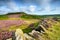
[38, 27]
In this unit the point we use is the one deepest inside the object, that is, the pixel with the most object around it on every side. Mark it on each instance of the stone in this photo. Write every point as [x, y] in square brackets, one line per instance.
[9, 39]
[19, 34]
[28, 37]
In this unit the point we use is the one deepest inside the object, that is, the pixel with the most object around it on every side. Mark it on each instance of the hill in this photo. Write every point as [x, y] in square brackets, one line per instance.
[28, 16]
[27, 23]
[12, 21]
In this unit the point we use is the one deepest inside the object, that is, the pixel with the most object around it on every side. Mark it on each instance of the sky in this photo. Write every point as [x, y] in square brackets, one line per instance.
[35, 7]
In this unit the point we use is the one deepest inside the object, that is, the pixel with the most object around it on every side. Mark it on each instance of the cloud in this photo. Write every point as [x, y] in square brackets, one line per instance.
[12, 5]
[29, 6]
[32, 8]
[46, 5]
[4, 10]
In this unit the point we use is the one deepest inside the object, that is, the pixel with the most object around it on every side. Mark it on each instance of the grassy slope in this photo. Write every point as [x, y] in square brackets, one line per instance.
[24, 26]
[53, 33]
[29, 18]
[50, 35]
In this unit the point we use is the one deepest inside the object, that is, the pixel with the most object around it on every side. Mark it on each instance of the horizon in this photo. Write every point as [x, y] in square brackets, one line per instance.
[34, 7]
[29, 14]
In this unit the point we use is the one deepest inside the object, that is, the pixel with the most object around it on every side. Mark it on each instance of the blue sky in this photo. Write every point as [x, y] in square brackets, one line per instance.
[38, 7]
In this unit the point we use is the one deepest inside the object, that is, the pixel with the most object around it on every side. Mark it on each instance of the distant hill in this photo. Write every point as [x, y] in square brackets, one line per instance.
[15, 13]
[28, 16]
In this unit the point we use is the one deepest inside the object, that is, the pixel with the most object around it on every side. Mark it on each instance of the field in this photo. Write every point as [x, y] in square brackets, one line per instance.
[26, 22]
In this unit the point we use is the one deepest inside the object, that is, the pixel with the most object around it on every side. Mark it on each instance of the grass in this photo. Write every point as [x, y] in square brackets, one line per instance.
[50, 34]
[29, 29]
[3, 17]
[14, 27]
[53, 33]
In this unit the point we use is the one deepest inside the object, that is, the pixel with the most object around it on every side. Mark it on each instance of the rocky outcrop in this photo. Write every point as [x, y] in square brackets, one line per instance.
[19, 35]
[35, 34]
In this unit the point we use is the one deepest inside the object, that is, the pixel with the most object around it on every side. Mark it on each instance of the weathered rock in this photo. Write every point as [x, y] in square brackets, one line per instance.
[19, 35]
[28, 37]
[13, 36]
[36, 35]
[39, 28]
[9, 39]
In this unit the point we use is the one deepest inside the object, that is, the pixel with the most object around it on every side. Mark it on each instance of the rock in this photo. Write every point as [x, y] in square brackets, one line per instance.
[55, 18]
[39, 28]
[19, 34]
[28, 37]
[36, 35]
[13, 36]
[9, 39]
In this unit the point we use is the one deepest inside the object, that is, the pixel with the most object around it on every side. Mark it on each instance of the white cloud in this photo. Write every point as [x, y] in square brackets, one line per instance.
[46, 5]
[4, 10]
[12, 5]
[32, 8]
[47, 8]
[23, 8]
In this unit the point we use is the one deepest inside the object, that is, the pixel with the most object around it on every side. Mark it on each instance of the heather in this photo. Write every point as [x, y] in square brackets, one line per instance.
[29, 27]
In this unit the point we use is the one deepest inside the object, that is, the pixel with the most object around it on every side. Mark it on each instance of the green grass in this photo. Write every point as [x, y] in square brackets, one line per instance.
[27, 16]
[3, 17]
[29, 29]
[54, 34]
[50, 34]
